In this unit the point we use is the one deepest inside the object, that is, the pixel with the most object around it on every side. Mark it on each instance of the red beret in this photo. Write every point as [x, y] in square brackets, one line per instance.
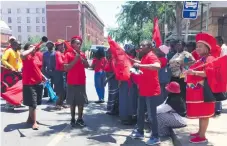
[77, 38]
[206, 39]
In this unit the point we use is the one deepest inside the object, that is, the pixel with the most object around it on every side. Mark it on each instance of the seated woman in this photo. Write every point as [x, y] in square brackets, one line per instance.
[171, 113]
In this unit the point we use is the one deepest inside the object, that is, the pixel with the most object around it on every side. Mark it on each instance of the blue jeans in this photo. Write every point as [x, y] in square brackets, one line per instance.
[218, 106]
[151, 103]
[99, 84]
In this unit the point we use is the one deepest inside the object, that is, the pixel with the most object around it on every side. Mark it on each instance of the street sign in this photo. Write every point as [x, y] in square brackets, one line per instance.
[190, 9]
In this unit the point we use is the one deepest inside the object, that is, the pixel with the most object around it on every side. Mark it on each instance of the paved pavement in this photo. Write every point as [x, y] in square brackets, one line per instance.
[101, 130]
[216, 134]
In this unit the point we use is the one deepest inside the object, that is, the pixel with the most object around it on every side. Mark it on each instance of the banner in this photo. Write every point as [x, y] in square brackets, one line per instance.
[11, 86]
[156, 33]
[121, 62]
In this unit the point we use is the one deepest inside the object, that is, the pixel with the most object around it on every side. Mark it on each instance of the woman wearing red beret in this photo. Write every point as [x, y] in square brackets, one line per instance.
[198, 72]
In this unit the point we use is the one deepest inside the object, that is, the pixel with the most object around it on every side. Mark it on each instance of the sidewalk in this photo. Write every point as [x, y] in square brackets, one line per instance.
[216, 134]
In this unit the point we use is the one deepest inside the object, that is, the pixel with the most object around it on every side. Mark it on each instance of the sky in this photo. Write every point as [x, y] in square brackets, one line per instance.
[107, 11]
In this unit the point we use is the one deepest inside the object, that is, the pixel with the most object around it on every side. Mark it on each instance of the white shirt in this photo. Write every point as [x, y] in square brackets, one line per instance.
[223, 50]
[164, 108]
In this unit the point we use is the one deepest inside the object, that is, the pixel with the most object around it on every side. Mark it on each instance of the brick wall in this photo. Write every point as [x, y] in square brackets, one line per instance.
[60, 16]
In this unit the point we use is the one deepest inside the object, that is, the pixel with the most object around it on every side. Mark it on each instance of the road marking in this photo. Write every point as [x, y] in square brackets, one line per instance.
[59, 136]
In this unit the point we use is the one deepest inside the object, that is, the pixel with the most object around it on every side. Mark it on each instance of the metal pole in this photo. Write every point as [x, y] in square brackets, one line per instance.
[164, 25]
[201, 24]
[207, 19]
[66, 35]
[186, 31]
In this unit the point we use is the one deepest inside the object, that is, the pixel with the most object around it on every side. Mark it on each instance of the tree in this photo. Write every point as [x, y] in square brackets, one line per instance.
[86, 45]
[135, 20]
[34, 39]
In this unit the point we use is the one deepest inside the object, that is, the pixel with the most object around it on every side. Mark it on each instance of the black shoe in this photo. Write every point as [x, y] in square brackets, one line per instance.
[217, 113]
[100, 101]
[73, 123]
[111, 113]
[80, 122]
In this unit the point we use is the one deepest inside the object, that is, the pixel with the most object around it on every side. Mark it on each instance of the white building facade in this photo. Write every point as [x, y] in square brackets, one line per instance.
[26, 19]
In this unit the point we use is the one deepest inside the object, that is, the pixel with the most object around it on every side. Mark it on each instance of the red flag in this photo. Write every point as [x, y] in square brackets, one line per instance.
[11, 86]
[218, 78]
[13, 94]
[156, 33]
[121, 62]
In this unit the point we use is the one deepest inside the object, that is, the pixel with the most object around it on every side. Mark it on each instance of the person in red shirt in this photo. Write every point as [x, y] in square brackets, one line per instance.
[76, 62]
[149, 91]
[60, 75]
[98, 65]
[113, 89]
[32, 82]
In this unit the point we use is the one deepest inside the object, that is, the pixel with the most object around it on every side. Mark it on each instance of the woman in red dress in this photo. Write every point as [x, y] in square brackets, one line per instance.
[196, 107]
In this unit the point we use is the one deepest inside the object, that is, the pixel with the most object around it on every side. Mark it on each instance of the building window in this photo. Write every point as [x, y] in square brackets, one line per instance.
[43, 19]
[10, 27]
[9, 20]
[18, 19]
[37, 29]
[0, 11]
[19, 38]
[28, 10]
[37, 10]
[43, 10]
[44, 29]
[28, 20]
[9, 11]
[18, 11]
[19, 28]
[28, 28]
[37, 20]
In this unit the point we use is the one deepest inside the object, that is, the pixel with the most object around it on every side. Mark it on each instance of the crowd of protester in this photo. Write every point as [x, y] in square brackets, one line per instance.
[160, 90]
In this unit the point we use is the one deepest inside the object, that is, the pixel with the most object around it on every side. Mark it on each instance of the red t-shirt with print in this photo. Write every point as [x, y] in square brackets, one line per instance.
[148, 81]
[59, 57]
[76, 75]
[31, 72]
[99, 64]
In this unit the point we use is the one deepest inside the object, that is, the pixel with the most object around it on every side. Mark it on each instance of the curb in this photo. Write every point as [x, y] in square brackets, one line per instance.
[175, 139]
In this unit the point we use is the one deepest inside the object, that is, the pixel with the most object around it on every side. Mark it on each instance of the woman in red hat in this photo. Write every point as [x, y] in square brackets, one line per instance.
[198, 72]
[171, 113]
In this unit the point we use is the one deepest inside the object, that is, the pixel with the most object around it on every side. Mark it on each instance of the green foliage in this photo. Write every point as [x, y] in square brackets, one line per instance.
[34, 39]
[86, 45]
[135, 20]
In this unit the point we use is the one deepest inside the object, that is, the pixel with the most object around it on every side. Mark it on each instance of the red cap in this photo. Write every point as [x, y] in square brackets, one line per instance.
[173, 87]
[206, 39]
[78, 38]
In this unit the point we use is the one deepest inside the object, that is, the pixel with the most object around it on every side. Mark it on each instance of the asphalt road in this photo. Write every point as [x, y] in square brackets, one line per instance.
[101, 130]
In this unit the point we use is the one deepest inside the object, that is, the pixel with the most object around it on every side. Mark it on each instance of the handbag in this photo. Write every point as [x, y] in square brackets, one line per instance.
[209, 96]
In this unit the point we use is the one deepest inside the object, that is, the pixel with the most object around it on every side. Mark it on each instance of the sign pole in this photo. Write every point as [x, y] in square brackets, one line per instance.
[186, 31]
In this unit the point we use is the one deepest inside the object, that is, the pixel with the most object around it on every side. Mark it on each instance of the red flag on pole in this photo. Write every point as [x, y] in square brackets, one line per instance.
[156, 33]
[121, 62]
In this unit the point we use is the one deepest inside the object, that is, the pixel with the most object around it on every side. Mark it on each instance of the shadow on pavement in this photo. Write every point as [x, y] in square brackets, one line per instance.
[15, 110]
[18, 126]
[103, 138]
[53, 130]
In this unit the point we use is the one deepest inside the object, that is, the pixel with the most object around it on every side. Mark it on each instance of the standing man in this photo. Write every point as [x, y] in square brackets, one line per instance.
[76, 62]
[60, 75]
[149, 91]
[12, 60]
[49, 64]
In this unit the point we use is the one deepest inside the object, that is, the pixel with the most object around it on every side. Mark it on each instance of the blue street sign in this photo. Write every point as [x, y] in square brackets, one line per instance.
[190, 9]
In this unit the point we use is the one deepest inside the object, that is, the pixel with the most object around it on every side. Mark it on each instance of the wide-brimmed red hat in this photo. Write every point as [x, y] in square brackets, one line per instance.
[173, 87]
[78, 38]
[206, 39]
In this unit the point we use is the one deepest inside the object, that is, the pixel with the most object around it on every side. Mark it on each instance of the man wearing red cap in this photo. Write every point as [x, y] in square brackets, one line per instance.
[199, 105]
[60, 75]
[76, 63]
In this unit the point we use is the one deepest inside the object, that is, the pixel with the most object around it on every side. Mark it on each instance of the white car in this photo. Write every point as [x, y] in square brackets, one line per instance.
[191, 5]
